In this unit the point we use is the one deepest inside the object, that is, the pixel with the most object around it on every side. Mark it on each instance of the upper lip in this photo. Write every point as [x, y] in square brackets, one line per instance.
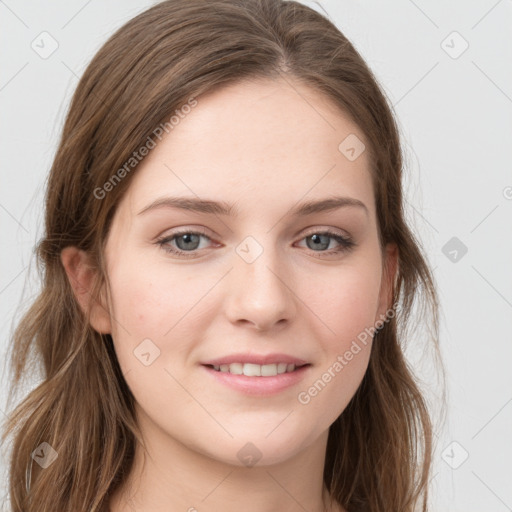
[256, 359]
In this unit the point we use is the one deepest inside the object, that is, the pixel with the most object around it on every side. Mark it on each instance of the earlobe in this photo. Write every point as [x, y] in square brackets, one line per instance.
[82, 275]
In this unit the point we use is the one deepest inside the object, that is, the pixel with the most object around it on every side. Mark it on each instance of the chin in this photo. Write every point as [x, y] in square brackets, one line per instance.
[256, 447]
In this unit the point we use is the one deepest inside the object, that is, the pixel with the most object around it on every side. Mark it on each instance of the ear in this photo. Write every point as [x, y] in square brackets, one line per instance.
[82, 276]
[389, 272]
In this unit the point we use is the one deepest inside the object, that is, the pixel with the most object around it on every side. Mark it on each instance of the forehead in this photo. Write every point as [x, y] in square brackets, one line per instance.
[257, 143]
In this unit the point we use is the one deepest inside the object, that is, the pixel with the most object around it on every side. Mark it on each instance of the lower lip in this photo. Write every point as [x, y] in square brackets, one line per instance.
[262, 386]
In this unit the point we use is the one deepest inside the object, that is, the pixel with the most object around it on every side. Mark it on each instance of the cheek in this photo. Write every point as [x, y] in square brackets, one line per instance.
[157, 304]
[150, 299]
[346, 304]
[346, 346]
[343, 301]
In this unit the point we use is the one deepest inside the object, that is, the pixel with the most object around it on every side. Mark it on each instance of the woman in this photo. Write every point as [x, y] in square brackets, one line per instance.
[226, 272]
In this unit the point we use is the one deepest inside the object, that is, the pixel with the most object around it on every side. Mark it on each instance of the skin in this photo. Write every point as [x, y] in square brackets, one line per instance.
[265, 146]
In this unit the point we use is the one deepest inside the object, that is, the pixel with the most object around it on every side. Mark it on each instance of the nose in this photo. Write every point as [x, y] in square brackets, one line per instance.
[260, 293]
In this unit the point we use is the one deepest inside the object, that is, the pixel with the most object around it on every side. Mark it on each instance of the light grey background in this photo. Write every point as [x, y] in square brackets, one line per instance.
[454, 109]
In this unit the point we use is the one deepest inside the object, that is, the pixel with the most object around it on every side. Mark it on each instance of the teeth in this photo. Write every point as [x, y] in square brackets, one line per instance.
[255, 370]
[281, 367]
[236, 368]
[252, 370]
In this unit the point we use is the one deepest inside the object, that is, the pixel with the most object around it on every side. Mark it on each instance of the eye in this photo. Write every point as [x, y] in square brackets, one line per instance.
[187, 242]
[320, 240]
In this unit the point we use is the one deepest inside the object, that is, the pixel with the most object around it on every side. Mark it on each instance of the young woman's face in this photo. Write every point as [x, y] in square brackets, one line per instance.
[194, 291]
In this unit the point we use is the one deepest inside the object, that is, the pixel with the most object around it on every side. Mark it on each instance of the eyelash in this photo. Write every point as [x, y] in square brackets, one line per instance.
[346, 243]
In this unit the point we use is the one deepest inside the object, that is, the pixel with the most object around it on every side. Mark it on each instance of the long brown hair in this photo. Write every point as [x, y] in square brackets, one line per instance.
[379, 450]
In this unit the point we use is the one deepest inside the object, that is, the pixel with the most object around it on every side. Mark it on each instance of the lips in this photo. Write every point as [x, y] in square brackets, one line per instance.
[257, 374]
[258, 385]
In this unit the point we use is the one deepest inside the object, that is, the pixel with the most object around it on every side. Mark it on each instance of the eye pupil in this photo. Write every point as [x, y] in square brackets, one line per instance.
[317, 241]
[187, 237]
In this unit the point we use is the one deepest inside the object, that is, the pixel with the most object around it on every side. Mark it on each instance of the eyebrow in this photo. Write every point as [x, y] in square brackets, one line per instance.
[222, 208]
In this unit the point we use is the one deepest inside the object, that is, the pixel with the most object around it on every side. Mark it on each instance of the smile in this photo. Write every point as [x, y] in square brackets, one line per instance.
[258, 380]
[255, 370]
